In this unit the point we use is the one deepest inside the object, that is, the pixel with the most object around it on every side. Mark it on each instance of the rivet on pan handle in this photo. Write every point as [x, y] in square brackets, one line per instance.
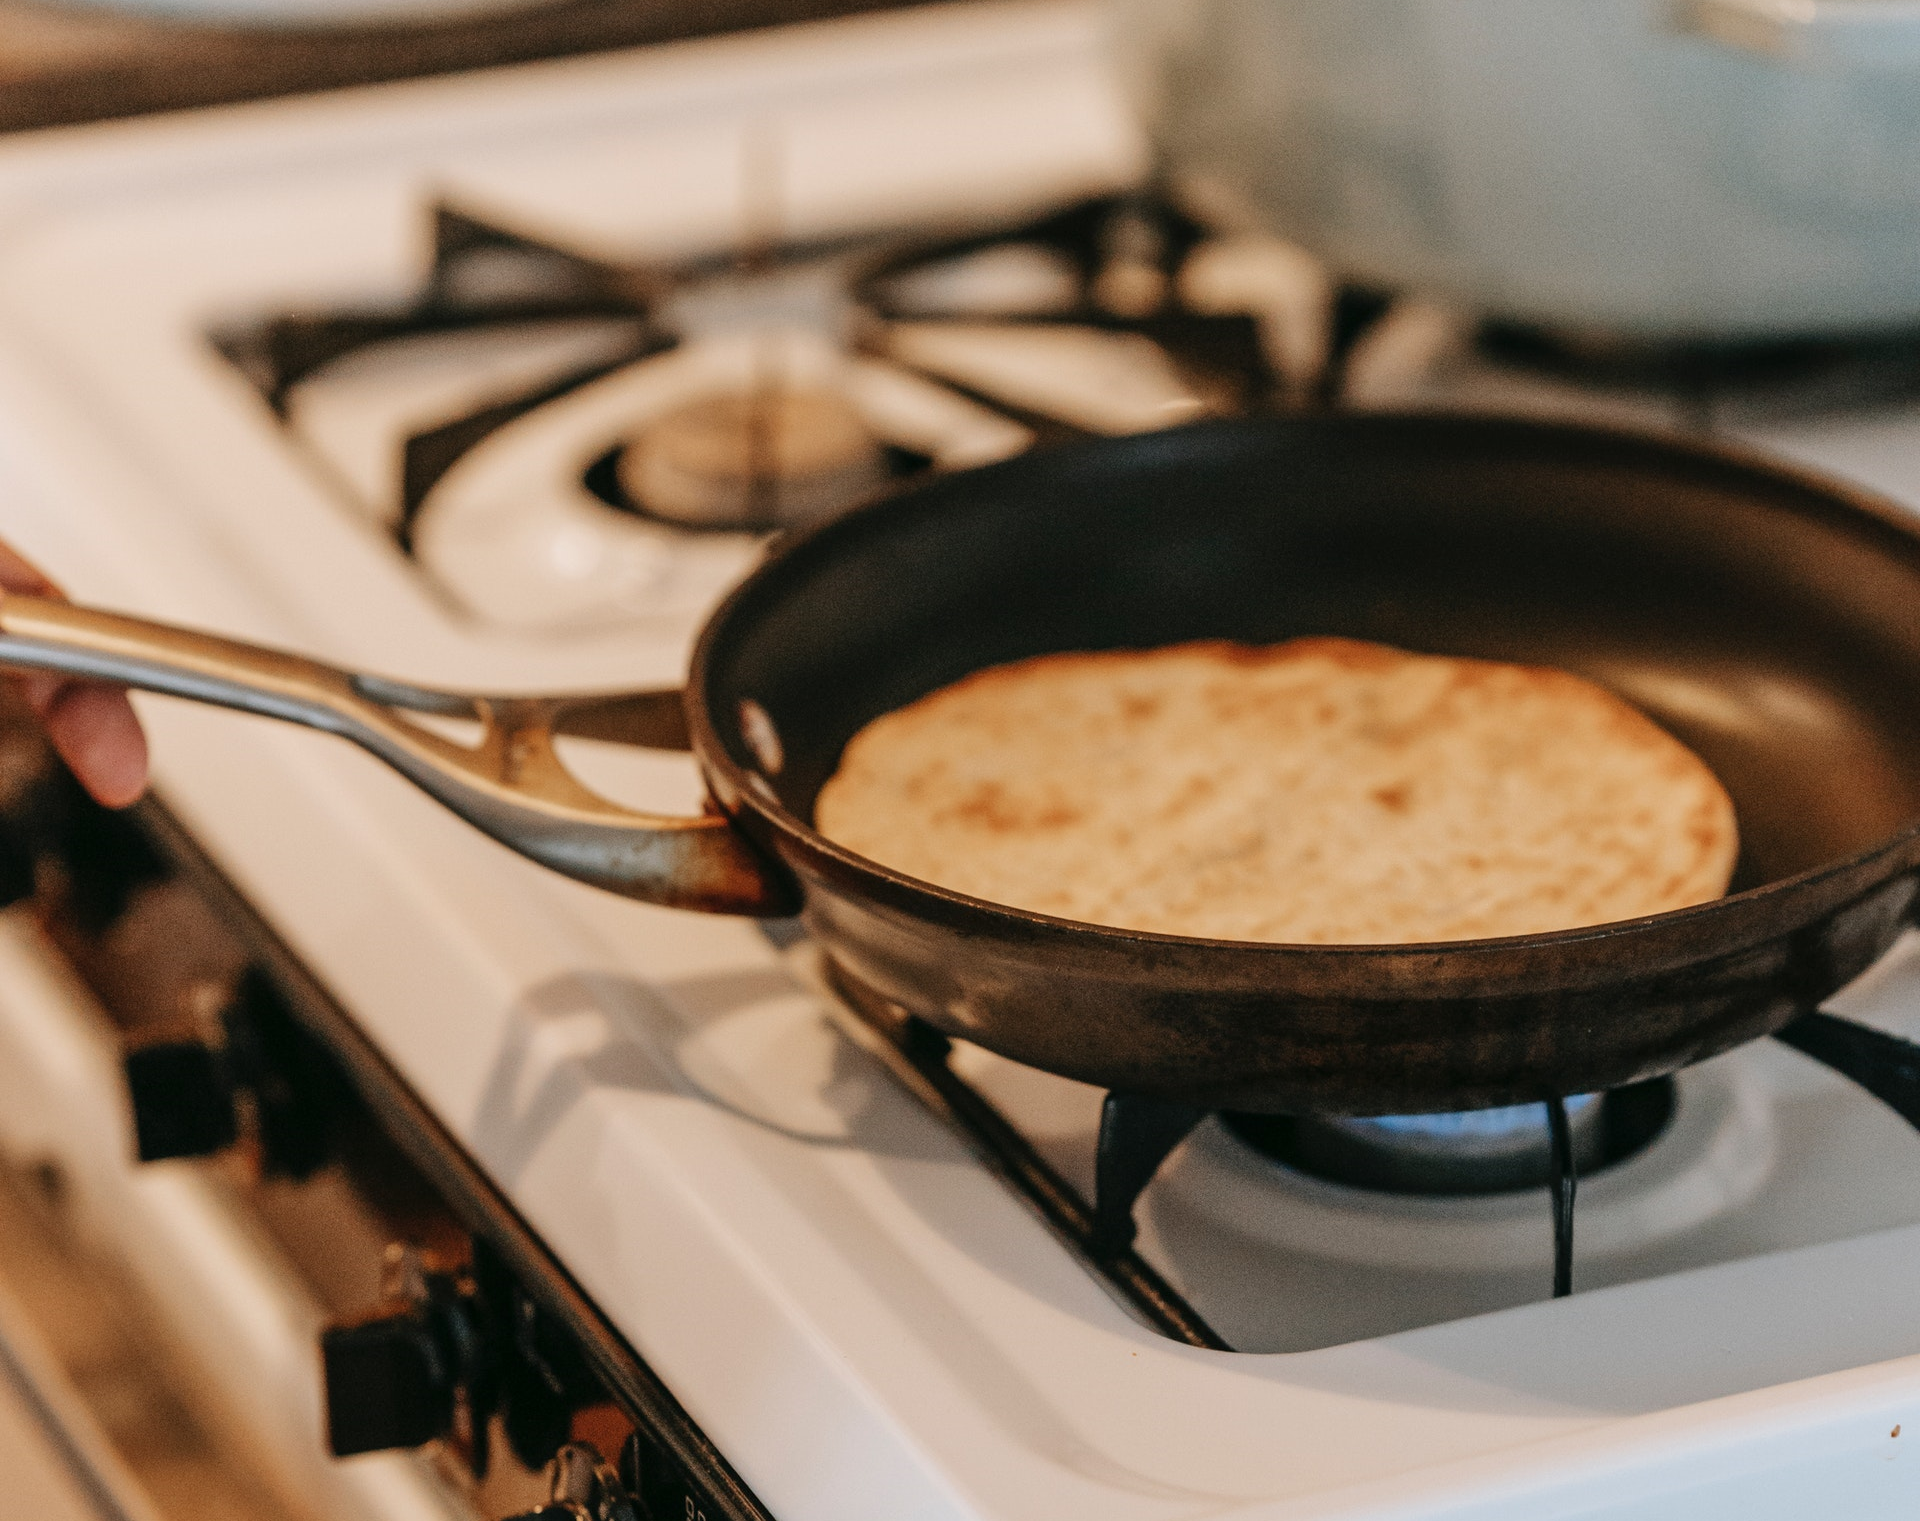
[511, 785]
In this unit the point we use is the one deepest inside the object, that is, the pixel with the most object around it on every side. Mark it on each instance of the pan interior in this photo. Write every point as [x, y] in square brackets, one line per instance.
[1769, 623]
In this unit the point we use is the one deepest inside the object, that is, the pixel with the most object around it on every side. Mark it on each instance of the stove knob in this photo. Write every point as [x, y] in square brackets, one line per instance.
[297, 1089]
[186, 1094]
[182, 1099]
[424, 1372]
[390, 1383]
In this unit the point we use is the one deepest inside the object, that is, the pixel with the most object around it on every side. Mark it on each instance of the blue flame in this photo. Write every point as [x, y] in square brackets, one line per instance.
[1473, 1124]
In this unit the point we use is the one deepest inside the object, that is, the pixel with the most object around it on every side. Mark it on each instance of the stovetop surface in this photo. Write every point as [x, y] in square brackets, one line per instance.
[865, 1321]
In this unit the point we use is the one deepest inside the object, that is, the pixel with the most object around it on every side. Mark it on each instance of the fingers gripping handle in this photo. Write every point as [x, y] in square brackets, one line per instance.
[512, 786]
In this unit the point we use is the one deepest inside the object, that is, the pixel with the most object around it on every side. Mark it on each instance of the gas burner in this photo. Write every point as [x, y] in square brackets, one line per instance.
[1286, 1261]
[1477, 1151]
[1188, 1219]
[753, 459]
[559, 442]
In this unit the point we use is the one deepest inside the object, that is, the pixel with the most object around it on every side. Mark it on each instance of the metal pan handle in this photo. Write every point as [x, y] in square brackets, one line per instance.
[511, 784]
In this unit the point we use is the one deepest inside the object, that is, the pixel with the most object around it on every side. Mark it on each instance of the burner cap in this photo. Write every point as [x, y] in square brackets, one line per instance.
[742, 460]
[1476, 1151]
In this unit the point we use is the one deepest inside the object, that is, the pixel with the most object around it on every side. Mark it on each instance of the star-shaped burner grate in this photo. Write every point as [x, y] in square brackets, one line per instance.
[624, 405]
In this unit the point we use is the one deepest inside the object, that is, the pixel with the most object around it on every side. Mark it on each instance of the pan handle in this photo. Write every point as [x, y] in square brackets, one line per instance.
[511, 784]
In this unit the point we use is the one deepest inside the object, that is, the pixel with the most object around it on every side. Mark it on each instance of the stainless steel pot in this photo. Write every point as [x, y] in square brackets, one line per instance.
[1701, 170]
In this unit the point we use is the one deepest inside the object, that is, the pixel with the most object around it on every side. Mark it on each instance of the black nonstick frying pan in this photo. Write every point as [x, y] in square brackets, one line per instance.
[1768, 619]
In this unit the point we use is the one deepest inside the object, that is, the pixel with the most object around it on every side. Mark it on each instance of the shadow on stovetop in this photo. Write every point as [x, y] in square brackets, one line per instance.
[587, 1031]
[824, 1125]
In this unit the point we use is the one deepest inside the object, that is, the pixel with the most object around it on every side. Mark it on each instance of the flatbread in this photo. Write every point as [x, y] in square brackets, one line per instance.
[1322, 791]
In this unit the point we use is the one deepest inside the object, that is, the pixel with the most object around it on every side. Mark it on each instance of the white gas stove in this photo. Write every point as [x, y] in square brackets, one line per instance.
[861, 1315]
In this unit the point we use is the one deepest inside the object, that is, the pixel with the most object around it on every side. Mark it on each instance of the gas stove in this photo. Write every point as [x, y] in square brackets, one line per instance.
[481, 382]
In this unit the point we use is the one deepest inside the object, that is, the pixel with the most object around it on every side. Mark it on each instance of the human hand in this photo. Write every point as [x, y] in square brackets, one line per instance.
[91, 725]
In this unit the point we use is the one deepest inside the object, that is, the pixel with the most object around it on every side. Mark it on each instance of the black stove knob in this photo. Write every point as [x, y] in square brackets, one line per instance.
[182, 1098]
[542, 1375]
[390, 1383]
[424, 1372]
[186, 1094]
[297, 1089]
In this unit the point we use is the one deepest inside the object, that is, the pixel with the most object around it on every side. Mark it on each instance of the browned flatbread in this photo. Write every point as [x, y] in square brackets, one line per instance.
[1323, 791]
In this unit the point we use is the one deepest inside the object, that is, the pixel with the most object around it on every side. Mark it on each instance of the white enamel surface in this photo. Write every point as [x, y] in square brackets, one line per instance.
[1282, 286]
[356, 413]
[1104, 382]
[912, 411]
[1000, 280]
[861, 1317]
[515, 537]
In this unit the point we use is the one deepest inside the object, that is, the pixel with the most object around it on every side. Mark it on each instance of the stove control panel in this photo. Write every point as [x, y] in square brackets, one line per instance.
[401, 1379]
[454, 1356]
[248, 1069]
[467, 1342]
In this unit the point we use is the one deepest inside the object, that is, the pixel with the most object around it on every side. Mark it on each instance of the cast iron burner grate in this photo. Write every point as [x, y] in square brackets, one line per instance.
[487, 277]
[1123, 258]
[1138, 1133]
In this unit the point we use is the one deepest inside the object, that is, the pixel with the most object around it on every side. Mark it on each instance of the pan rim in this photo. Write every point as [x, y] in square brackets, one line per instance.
[737, 792]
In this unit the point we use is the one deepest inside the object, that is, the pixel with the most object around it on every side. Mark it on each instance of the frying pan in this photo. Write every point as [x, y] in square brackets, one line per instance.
[1768, 619]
